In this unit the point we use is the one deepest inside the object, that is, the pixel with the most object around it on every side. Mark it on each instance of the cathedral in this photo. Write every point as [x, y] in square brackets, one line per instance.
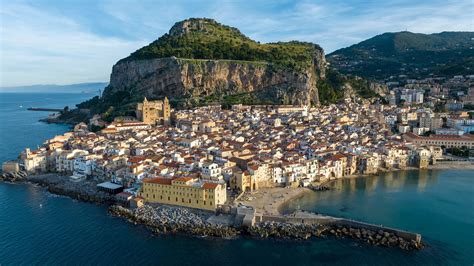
[154, 112]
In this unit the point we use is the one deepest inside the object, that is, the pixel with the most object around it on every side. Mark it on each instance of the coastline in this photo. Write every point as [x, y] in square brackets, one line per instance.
[271, 200]
[58, 184]
[164, 219]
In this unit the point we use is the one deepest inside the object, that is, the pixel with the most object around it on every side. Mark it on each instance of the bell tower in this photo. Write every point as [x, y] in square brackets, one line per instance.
[166, 111]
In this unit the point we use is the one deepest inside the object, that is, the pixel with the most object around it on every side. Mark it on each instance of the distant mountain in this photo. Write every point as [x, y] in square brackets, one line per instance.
[407, 53]
[92, 87]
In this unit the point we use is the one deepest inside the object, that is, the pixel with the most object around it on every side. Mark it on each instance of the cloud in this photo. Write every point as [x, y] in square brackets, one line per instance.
[38, 47]
[60, 43]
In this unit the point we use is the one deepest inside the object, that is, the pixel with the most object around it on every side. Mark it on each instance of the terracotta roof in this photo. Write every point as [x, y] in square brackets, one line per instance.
[136, 159]
[183, 179]
[209, 186]
[158, 180]
[441, 137]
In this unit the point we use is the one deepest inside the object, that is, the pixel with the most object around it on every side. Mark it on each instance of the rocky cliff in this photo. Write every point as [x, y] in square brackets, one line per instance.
[192, 79]
[201, 59]
[201, 62]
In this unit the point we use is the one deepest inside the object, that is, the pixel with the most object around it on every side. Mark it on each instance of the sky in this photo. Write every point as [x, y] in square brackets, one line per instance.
[65, 42]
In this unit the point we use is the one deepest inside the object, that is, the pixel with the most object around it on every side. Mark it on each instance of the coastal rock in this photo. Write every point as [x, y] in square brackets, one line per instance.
[164, 219]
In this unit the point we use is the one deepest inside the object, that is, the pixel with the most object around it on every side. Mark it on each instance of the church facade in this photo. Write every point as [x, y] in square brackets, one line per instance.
[154, 112]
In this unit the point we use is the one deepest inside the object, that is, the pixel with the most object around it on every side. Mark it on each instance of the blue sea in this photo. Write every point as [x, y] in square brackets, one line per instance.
[39, 228]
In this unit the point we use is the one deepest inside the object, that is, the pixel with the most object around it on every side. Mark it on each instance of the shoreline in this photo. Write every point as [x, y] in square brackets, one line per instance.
[273, 199]
[286, 226]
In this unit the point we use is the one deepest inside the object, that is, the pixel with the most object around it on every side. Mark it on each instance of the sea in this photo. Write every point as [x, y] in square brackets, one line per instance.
[38, 228]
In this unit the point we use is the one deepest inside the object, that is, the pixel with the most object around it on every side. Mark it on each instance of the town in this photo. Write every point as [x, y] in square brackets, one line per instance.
[204, 157]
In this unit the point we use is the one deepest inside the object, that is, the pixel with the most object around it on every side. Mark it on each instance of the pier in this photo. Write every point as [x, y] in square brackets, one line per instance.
[44, 109]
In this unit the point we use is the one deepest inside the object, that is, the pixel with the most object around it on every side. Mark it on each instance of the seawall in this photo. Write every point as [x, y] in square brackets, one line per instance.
[314, 219]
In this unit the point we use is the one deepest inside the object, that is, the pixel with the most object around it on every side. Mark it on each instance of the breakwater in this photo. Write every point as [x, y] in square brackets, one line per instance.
[244, 221]
[311, 224]
[167, 219]
[44, 109]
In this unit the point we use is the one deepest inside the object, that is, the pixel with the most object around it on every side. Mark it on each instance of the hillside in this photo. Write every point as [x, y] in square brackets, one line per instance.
[406, 53]
[200, 62]
[208, 39]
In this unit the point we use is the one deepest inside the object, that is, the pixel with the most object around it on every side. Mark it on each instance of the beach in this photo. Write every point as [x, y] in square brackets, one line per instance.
[269, 200]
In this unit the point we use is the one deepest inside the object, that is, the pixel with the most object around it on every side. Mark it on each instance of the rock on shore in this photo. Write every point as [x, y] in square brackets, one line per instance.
[165, 219]
[13, 177]
[305, 231]
[62, 185]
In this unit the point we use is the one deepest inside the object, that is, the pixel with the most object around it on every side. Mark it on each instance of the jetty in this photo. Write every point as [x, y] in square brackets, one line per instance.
[302, 224]
[44, 109]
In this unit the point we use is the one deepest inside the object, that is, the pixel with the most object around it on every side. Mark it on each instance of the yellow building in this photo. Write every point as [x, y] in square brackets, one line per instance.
[243, 181]
[184, 191]
[154, 112]
[448, 141]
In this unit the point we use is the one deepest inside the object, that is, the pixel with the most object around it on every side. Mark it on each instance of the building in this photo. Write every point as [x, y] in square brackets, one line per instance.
[34, 161]
[449, 131]
[184, 191]
[454, 105]
[448, 141]
[466, 125]
[10, 167]
[154, 112]
[110, 187]
[211, 171]
[368, 165]
[124, 126]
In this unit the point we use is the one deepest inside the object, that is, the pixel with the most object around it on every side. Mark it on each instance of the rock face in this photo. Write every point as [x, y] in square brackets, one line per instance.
[202, 58]
[191, 78]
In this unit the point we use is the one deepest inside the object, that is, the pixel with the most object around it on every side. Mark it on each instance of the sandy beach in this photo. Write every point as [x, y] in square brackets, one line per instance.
[269, 200]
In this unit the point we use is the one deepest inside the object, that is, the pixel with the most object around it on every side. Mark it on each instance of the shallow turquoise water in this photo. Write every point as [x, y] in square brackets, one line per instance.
[439, 204]
[39, 228]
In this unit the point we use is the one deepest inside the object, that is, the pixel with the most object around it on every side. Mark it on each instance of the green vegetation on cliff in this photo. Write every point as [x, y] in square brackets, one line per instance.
[290, 69]
[208, 39]
[334, 87]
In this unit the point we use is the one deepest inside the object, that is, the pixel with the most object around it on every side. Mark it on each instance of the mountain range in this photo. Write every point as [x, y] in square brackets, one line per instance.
[414, 55]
